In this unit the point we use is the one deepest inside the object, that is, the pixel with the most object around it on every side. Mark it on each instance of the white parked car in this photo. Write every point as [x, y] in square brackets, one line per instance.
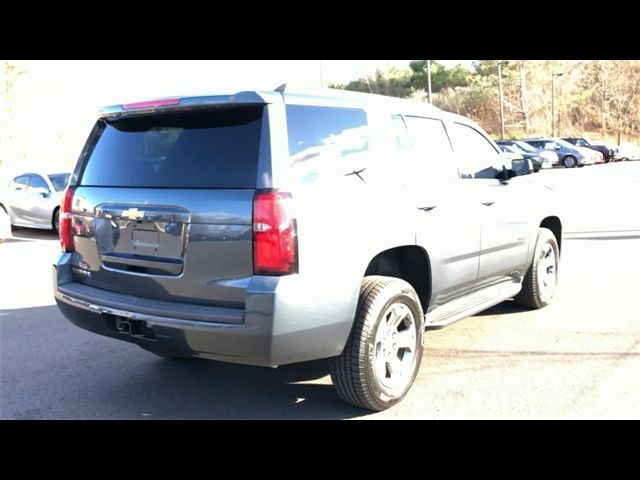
[33, 199]
[5, 226]
[628, 152]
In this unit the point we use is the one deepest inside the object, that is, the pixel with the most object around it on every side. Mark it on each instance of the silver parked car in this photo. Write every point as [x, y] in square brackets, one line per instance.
[33, 199]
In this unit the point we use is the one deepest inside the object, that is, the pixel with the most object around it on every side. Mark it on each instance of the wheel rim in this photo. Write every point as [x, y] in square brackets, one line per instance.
[56, 222]
[395, 347]
[569, 162]
[547, 272]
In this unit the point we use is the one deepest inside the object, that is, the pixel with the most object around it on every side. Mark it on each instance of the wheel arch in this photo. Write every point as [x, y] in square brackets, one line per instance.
[411, 263]
[554, 224]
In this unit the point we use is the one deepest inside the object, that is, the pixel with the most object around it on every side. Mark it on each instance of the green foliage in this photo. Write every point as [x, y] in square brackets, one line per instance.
[441, 77]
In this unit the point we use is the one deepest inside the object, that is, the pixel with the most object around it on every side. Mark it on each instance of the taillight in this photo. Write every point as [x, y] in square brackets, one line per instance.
[275, 243]
[66, 233]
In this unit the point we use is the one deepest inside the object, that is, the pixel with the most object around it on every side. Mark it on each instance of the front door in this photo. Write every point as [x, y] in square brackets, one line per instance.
[505, 228]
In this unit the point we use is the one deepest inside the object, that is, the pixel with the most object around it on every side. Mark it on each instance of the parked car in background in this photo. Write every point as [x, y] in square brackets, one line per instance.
[537, 160]
[33, 199]
[549, 155]
[5, 226]
[627, 152]
[607, 151]
[509, 156]
[570, 155]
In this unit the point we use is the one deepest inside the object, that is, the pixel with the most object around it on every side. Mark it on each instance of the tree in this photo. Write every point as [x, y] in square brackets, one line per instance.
[393, 82]
[9, 73]
[612, 90]
[441, 77]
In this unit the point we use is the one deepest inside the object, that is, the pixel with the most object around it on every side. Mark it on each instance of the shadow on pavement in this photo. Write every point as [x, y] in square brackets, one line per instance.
[52, 369]
[503, 308]
[20, 233]
[12, 240]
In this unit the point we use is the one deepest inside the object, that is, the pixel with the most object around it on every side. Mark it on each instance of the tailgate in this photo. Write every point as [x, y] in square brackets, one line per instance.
[190, 246]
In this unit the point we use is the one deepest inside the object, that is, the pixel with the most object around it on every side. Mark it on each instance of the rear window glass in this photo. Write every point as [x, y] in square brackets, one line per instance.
[214, 149]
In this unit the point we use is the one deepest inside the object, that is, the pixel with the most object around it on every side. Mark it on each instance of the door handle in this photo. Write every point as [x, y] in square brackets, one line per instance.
[427, 209]
[488, 204]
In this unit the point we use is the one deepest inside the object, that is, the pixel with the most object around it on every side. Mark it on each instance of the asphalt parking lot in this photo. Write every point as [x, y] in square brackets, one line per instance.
[578, 358]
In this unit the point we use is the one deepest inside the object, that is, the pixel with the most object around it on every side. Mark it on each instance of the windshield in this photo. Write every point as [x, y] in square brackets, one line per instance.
[59, 181]
[562, 143]
[510, 148]
[525, 146]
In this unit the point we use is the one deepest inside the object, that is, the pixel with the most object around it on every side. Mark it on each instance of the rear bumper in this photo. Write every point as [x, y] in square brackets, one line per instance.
[253, 336]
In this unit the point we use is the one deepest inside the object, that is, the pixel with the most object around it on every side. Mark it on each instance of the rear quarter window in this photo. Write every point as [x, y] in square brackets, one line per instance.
[325, 140]
[213, 149]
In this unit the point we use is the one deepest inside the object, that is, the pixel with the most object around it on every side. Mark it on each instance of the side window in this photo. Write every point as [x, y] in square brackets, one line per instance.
[19, 183]
[476, 156]
[37, 183]
[432, 153]
[325, 140]
[402, 139]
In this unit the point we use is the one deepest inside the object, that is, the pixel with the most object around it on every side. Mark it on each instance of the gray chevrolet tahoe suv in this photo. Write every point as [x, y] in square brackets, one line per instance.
[269, 228]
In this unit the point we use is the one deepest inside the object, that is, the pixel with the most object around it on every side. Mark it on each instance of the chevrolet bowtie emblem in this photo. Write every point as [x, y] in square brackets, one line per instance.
[133, 214]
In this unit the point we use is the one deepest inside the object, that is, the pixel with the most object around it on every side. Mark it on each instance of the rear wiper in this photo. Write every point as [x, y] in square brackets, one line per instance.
[357, 173]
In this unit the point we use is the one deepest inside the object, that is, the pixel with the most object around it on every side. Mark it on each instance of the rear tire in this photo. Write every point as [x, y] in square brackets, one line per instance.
[55, 222]
[569, 161]
[538, 286]
[382, 356]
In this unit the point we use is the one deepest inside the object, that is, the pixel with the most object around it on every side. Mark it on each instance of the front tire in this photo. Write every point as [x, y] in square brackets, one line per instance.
[382, 356]
[539, 284]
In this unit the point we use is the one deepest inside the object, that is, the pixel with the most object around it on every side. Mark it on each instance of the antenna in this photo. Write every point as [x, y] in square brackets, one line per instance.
[280, 89]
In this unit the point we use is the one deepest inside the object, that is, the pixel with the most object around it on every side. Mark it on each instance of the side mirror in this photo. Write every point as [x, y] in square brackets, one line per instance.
[43, 192]
[521, 167]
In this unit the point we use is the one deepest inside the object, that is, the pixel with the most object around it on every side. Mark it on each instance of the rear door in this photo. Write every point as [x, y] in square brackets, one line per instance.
[37, 202]
[447, 223]
[163, 205]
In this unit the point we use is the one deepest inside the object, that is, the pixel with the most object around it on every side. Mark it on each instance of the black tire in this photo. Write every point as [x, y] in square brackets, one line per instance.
[569, 161]
[532, 294]
[55, 221]
[353, 372]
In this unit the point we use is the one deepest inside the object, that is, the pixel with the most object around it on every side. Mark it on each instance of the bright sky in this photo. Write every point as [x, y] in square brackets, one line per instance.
[56, 102]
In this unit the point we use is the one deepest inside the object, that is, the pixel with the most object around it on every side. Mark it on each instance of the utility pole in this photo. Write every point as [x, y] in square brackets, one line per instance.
[501, 100]
[429, 81]
[523, 95]
[553, 102]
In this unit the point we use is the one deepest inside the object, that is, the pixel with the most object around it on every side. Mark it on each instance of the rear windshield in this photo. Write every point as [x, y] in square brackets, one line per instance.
[214, 149]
